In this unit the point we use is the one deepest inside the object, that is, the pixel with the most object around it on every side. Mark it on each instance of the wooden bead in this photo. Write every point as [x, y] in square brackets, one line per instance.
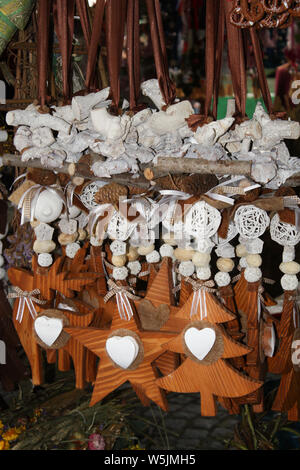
[201, 259]
[290, 267]
[81, 234]
[119, 260]
[254, 261]
[184, 254]
[225, 265]
[43, 246]
[241, 251]
[65, 239]
[132, 254]
[145, 250]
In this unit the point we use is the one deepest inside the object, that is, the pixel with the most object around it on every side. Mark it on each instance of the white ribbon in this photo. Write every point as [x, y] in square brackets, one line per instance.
[25, 298]
[199, 299]
[124, 307]
[95, 214]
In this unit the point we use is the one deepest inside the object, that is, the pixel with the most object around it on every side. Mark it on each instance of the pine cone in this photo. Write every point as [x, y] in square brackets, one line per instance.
[110, 194]
[40, 176]
[195, 184]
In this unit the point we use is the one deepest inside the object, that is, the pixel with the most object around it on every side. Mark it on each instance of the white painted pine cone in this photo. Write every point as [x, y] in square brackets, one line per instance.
[120, 274]
[186, 268]
[45, 259]
[252, 274]
[289, 282]
[153, 257]
[71, 249]
[118, 247]
[203, 273]
[166, 250]
[222, 279]
[134, 267]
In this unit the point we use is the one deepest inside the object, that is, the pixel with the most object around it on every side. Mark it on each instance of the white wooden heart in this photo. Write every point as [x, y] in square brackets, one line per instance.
[48, 329]
[200, 342]
[123, 350]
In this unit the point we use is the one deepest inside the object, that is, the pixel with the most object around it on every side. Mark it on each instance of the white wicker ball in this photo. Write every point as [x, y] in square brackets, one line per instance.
[153, 257]
[222, 279]
[252, 274]
[118, 247]
[283, 233]
[88, 193]
[45, 259]
[251, 222]
[71, 249]
[203, 273]
[120, 274]
[289, 282]
[202, 220]
[186, 268]
[134, 267]
[166, 251]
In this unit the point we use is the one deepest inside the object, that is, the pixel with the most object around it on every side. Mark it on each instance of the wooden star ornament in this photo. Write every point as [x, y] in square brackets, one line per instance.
[126, 353]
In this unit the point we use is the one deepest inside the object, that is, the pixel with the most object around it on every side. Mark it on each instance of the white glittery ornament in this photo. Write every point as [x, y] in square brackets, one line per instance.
[166, 251]
[203, 273]
[117, 247]
[186, 268]
[289, 282]
[120, 274]
[153, 257]
[222, 279]
[71, 249]
[283, 233]
[252, 274]
[45, 259]
[134, 267]
[251, 221]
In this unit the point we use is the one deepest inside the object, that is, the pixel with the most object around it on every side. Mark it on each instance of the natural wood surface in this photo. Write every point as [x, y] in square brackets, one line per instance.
[109, 377]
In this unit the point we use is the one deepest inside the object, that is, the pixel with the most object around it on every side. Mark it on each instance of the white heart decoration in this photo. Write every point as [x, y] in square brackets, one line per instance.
[200, 342]
[48, 329]
[123, 350]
